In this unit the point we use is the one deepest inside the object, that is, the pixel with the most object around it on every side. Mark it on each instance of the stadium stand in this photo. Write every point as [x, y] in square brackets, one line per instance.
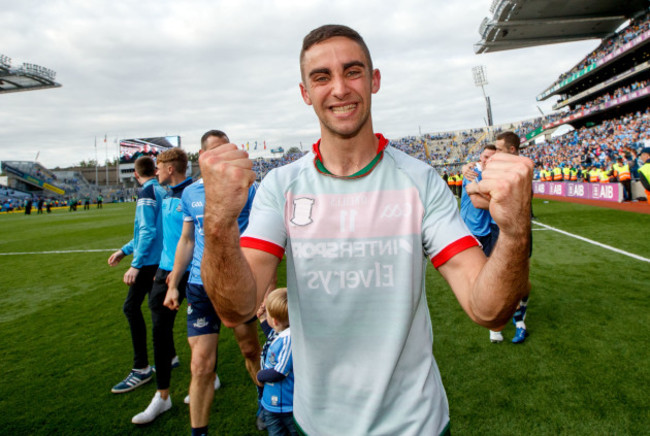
[27, 77]
[518, 24]
[604, 97]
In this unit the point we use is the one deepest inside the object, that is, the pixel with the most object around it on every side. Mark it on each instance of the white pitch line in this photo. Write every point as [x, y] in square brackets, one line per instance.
[608, 247]
[99, 250]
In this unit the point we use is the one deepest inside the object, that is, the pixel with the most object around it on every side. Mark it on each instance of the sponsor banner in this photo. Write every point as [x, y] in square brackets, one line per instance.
[588, 191]
[53, 188]
[534, 133]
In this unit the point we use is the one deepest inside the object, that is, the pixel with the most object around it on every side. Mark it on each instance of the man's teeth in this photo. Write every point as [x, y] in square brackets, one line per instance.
[341, 109]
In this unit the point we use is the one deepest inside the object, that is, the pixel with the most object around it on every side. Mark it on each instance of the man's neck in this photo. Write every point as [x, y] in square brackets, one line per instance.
[177, 179]
[347, 156]
[144, 180]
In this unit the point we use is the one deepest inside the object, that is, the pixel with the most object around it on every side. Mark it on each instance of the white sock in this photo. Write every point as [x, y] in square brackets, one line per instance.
[521, 325]
[143, 370]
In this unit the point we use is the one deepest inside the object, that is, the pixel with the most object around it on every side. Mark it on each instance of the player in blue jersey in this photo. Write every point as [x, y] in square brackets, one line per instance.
[358, 221]
[146, 247]
[171, 168]
[478, 220]
[507, 143]
[277, 365]
[203, 324]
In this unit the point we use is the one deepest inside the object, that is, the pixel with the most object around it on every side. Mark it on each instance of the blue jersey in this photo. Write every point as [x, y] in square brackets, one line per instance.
[477, 220]
[192, 204]
[278, 396]
[172, 223]
[147, 243]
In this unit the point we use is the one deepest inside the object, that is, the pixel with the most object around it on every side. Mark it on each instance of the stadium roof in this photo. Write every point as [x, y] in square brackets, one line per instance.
[27, 77]
[528, 23]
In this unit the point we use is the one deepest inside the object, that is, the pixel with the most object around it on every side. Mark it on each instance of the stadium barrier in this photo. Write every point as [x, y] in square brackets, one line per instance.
[589, 191]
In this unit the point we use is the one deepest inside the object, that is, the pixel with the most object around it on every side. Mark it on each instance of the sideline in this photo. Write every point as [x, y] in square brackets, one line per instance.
[590, 241]
[99, 250]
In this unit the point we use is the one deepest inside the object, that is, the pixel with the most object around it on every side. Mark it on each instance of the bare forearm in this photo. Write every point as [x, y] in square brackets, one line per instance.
[226, 274]
[502, 281]
[479, 202]
[182, 259]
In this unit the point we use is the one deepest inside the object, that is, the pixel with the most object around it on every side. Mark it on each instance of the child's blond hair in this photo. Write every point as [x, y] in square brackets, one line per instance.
[277, 305]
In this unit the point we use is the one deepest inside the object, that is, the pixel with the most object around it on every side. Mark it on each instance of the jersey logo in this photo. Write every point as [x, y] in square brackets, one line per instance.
[396, 210]
[302, 211]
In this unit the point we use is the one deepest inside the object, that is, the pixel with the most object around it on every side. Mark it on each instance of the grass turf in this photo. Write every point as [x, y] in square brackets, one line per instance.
[583, 370]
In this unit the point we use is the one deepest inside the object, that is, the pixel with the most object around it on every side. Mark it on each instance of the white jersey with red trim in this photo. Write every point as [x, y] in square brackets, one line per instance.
[356, 258]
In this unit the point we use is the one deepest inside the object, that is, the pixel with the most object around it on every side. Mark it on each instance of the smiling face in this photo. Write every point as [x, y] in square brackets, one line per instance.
[338, 83]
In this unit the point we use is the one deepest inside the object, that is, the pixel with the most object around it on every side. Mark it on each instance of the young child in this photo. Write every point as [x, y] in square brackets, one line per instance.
[277, 366]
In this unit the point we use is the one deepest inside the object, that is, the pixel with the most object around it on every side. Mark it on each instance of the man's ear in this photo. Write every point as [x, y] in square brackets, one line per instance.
[376, 80]
[304, 94]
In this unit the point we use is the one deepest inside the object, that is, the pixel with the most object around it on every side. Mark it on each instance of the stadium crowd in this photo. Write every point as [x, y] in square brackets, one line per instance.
[599, 147]
[609, 45]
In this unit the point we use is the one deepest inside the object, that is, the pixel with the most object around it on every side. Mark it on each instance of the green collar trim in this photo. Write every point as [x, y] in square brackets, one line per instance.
[362, 172]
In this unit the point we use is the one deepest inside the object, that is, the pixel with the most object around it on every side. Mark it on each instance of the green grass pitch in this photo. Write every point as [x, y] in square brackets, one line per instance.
[584, 370]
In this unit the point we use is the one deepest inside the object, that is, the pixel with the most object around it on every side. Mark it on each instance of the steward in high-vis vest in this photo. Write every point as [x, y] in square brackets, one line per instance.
[557, 174]
[622, 174]
[594, 174]
[644, 172]
[566, 173]
[451, 182]
[459, 184]
[573, 174]
[604, 176]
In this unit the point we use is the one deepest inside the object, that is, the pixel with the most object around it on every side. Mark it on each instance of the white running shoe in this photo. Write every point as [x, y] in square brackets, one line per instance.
[155, 408]
[496, 337]
[217, 385]
[217, 382]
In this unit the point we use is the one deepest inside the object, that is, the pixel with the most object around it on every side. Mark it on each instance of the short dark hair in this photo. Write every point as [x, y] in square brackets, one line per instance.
[510, 139]
[490, 147]
[176, 157]
[145, 166]
[217, 133]
[328, 31]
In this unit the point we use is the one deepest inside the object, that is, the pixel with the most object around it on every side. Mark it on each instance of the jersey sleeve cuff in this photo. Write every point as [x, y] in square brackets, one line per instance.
[453, 249]
[259, 244]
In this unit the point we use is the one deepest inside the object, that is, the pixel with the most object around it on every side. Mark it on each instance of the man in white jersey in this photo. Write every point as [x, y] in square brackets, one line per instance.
[358, 220]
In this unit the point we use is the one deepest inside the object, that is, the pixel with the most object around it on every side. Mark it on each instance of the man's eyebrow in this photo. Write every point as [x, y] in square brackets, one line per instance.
[319, 71]
[345, 67]
[353, 64]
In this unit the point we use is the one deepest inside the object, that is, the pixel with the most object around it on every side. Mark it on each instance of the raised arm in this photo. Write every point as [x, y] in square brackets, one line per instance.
[234, 279]
[489, 289]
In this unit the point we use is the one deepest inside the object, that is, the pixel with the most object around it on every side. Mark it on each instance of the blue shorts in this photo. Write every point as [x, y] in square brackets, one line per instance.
[202, 319]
